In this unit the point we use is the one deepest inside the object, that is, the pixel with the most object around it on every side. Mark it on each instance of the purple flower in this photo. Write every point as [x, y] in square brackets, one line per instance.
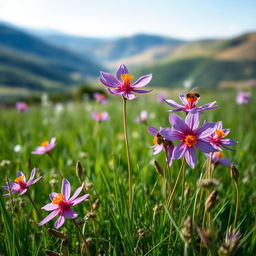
[243, 97]
[45, 147]
[121, 84]
[100, 116]
[216, 139]
[61, 204]
[189, 102]
[190, 135]
[161, 144]
[100, 97]
[20, 185]
[217, 159]
[142, 118]
[160, 97]
[22, 106]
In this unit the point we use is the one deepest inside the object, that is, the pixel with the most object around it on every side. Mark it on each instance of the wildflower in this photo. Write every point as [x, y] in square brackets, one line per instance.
[243, 97]
[190, 136]
[22, 106]
[211, 200]
[100, 116]
[217, 159]
[61, 204]
[189, 102]
[45, 147]
[17, 148]
[100, 97]
[20, 185]
[160, 97]
[142, 118]
[232, 239]
[161, 143]
[121, 84]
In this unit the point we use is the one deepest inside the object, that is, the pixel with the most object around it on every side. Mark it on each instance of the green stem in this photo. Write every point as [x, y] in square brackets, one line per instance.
[33, 203]
[82, 235]
[56, 165]
[237, 203]
[128, 156]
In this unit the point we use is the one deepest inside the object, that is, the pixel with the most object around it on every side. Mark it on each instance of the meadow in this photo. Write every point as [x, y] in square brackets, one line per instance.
[151, 226]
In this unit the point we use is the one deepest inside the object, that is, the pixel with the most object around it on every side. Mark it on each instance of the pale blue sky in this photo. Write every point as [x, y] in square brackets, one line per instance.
[188, 19]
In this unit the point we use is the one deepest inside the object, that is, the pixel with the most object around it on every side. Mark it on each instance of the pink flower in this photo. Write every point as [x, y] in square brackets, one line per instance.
[20, 185]
[100, 116]
[45, 147]
[218, 159]
[22, 106]
[100, 97]
[142, 118]
[61, 204]
[243, 97]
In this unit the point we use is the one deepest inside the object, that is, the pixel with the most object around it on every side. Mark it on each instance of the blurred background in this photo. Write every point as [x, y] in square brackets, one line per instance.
[60, 46]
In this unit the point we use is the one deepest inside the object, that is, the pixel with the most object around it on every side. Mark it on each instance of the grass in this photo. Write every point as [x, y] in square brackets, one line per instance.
[111, 230]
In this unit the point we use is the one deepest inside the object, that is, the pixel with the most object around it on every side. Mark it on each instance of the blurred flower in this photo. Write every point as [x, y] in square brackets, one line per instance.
[243, 97]
[142, 118]
[22, 106]
[45, 100]
[17, 148]
[58, 109]
[250, 83]
[161, 144]
[100, 97]
[121, 84]
[45, 147]
[217, 159]
[189, 102]
[20, 185]
[61, 204]
[190, 135]
[160, 97]
[100, 116]
[5, 162]
[216, 138]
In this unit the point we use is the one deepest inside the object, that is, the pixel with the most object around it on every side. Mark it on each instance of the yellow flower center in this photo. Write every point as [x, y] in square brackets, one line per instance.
[219, 154]
[190, 140]
[19, 179]
[58, 199]
[100, 115]
[102, 96]
[127, 78]
[44, 144]
[220, 133]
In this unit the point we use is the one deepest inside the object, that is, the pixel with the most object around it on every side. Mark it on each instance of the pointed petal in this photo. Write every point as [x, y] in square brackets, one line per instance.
[193, 119]
[171, 134]
[173, 103]
[60, 221]
[107, 84]
[77, 192]
[109, 80]
[80, 199]
[66, 189]
[32, 175]
[70, 214]
[205, 146]
[115, 91]
[179, 151]
[142, 81]
[158, 149]
[23, 192]
[183, 99]
[129, 96]
[152, 130]
[228, 142]
[120, 71]
[205, 130]
[141, 91]
[48, 217]
[178, 123]
[50, 207]
[190, 156]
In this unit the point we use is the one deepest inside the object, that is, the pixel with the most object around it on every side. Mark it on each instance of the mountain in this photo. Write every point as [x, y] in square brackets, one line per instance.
[28, 62]
[109, 50]
[208, 62]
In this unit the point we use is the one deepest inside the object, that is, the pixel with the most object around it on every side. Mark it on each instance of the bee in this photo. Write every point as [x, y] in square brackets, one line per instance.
[192, 95]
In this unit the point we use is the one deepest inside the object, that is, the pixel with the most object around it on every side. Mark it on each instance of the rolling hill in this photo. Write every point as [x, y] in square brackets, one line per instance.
[29, 62]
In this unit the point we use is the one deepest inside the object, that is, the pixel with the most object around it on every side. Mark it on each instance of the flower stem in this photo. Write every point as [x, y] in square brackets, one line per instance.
[33, 203]
[237, 202]
[82, 235]
[128, 156]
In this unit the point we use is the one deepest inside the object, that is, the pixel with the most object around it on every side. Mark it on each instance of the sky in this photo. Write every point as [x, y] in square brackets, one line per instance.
[185, 19]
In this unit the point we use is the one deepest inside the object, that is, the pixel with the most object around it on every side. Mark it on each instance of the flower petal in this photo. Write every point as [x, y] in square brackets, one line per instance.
[142, 81]
[120, 71]
[205, 130]
[115, 91]
[60, 221]
[228, 142]
[49, 217]
[50, 207]
[158, 149]
[179, 151]
[77, 192]
[178, 123]
[193, 119]
[70, 214]
[141, 91]
[23, 191]
[152, 130]
[32, 175]
[129, 96]
[109, 80]
[190, 156]
[183, 99]
[171, 134]
[65, 189]
[173, 103]
[205, 146]
[80, 199]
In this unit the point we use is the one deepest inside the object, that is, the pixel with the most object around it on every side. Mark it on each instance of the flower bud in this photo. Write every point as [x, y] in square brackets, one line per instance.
[56, 233]
[234, 173]
[158, 168]
[211, 200]
[188, 229]
[79, 170]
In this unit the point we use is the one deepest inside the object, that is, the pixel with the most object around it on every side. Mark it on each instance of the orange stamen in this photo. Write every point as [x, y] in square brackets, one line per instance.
[19, 179]
[127, 78]
[58, 199]
[190, 140]
[220, 133]
[100, 115]
[219, 154]
[102, 96]
[44, 144]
